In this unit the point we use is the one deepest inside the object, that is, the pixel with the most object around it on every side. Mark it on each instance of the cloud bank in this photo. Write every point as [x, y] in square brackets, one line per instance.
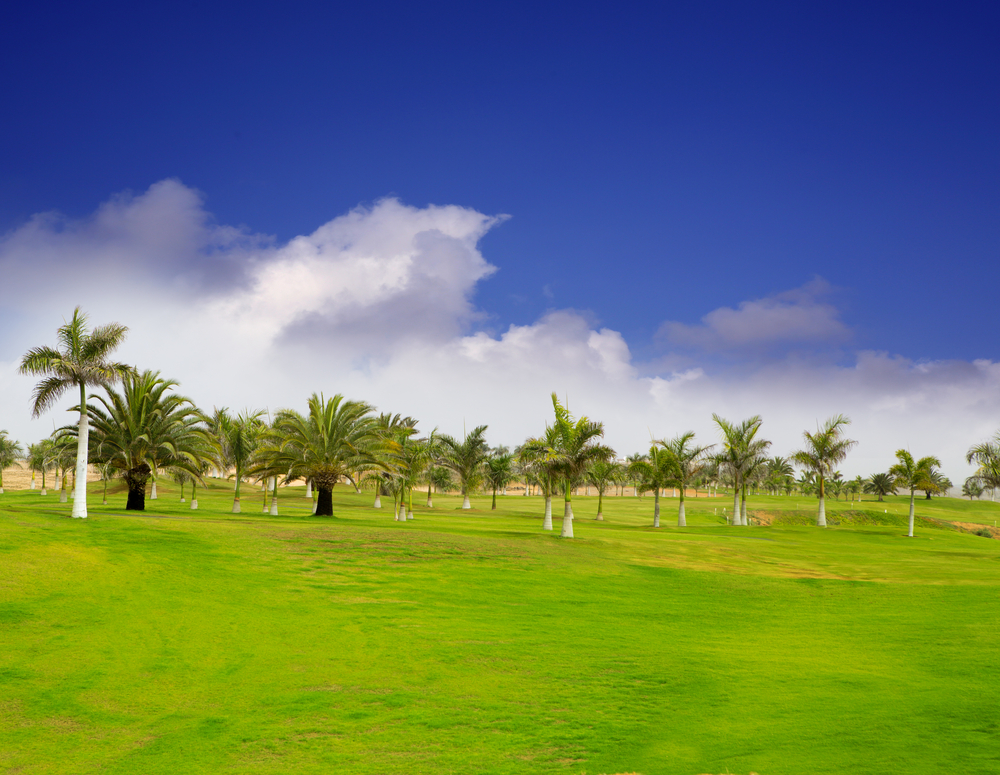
[378, 304]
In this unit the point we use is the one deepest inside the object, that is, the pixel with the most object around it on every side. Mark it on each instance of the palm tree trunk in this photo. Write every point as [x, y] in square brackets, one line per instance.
[378, 501]
[152, 490]
[600, 505]
[547, 523]
[236, 497]
[681, 521]
[910, 533]
[567, 523]
[743, 506]
[494, 506]
[324, 503]
[821, 518]
[409, 503]
[105, 498]
[656, 507]
[430, 502]
[82, 448]
[309, 490]
[194, 495]
[62, 488]
[465, 501]
[736, 501]
[274, 497]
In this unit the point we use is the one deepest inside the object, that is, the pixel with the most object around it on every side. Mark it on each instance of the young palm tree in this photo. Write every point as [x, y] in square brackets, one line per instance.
[689, 462]
[241, 437]
[465, 458]
[537, 458]
[10, 453]
[880, 485]
[914, 475]
[603, 474]
[655, 471]
[82, 360]
[333, 440]
[498, 472]
[38, 460]
[147, 424]
[824, 449]
[576, 448]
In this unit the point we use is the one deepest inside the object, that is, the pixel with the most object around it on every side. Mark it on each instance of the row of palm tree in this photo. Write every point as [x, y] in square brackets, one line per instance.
[145, 428]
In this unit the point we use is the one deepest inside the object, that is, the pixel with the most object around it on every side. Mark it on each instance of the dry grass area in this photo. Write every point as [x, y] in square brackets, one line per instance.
[19, 478]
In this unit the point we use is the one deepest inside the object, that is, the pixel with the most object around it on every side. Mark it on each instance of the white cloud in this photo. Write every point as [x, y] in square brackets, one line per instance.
[791, 317]
[377, 304]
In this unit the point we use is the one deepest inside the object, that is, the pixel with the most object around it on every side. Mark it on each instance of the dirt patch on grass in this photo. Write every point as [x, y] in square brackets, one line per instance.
[982, 530]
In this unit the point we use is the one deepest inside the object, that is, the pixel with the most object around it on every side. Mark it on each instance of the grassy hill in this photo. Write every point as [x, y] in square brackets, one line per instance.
[206, 642]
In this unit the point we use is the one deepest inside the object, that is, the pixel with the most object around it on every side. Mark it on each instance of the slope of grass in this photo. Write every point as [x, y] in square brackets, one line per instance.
[180, 641]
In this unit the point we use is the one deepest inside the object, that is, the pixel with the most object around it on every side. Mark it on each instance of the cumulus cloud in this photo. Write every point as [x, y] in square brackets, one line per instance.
[378, 304]
[790, 317]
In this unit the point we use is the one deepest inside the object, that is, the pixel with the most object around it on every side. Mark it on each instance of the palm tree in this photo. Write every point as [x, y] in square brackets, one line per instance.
[656, 470]
[576, 448]
[824, 449]
[972, 488]
[62, 455]
[986, 456]
[913, 475]
[10, 453]
[498, 471]
[241, 438]
[603, 474]
[147, 425]
[333, 440]
[81, 360]
[880, 485]
[689, 462]
[465, 458]
[37, 458]
[742, 455]
[538, 460]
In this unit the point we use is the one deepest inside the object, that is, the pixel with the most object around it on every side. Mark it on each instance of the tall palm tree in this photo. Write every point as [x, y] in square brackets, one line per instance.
[742, 455]
[466, 458]
[576, 448]
[689, 461]
[10, 453]
[327, 444]
[823, 450]
[656, 470]
[880, 485]
[147, 424]
[81, 360]
[914, 475]
[986, 456]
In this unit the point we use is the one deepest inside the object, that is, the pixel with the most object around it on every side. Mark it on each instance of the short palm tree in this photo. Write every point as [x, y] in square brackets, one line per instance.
[537, 457]
[333, 440]
[498, 472]
[466, 459]
[146, 424]
[823, 450]
[82, 360]
[603, 474]
[689, 461]
[742, 455]
[575, 450]
[880, 485]
[656, 470]
[38, 459]
[10, 453]
[241, 437]
[914, 475]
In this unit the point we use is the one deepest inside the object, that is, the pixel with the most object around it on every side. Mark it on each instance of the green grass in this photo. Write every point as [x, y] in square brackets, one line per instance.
[206, 642]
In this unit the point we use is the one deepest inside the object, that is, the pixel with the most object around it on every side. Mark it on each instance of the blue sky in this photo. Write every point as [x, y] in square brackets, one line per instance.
[677, 174]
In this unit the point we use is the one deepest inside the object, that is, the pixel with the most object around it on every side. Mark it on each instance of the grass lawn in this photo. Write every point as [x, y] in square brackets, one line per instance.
[472, 642]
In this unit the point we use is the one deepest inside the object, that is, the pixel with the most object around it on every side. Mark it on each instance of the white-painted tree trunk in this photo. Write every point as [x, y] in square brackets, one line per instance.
[378, 501]
[910, 533]
[547, 523]
[236, 505]
[736, 506]
[567, 523]
[63, 497]
[409, 513]
[465, 502]
[656, 508]
[152, 491]
[821, 517]
[194, 504]
[315, 504]
[309, 488]
[274, 506]
[681, 521]
[743, 511]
